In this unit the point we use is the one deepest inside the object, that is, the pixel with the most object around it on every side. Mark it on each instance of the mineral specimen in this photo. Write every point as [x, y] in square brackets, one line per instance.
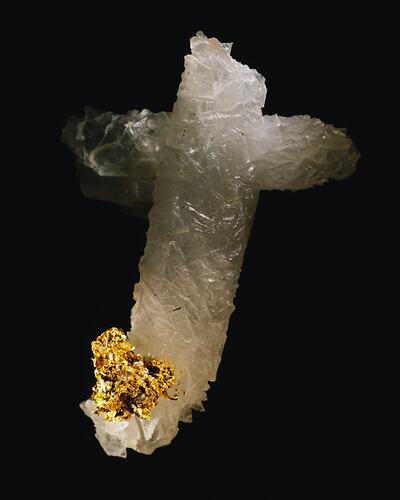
[199, 170]
[127, 384]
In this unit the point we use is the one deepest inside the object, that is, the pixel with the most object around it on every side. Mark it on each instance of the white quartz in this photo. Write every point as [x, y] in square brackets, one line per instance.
[200, 169]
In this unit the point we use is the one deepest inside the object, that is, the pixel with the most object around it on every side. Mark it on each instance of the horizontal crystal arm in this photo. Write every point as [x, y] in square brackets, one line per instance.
[300, 152]
[117, 155]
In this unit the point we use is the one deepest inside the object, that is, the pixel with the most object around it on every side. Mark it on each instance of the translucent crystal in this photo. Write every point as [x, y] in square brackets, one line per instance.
[201, 168]
[117, 155]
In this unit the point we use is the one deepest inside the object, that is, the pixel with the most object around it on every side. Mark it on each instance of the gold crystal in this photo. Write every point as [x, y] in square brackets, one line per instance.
[126, 383]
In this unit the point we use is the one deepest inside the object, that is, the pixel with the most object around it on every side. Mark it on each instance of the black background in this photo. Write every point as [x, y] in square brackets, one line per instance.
[287, 416]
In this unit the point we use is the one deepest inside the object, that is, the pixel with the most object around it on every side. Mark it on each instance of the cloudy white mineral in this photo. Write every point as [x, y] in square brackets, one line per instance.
[199, 170]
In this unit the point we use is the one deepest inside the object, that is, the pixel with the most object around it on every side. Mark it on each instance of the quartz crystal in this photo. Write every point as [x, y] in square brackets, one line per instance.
[196, 172]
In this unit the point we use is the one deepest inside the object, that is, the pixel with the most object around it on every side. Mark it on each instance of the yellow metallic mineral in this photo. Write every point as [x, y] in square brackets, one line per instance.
[126, 383]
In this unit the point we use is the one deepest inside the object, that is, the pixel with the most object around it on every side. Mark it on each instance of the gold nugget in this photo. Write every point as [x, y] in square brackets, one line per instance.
[126, 383]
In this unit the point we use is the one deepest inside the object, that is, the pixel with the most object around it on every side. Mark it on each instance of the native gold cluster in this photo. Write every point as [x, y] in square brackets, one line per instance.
[126, 383]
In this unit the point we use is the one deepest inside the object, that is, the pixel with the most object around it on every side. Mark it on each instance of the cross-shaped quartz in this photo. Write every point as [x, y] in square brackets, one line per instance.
[200, 169]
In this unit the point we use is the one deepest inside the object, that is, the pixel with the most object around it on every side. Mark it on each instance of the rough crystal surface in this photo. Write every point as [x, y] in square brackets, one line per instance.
[200, 168]
[126, 383]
